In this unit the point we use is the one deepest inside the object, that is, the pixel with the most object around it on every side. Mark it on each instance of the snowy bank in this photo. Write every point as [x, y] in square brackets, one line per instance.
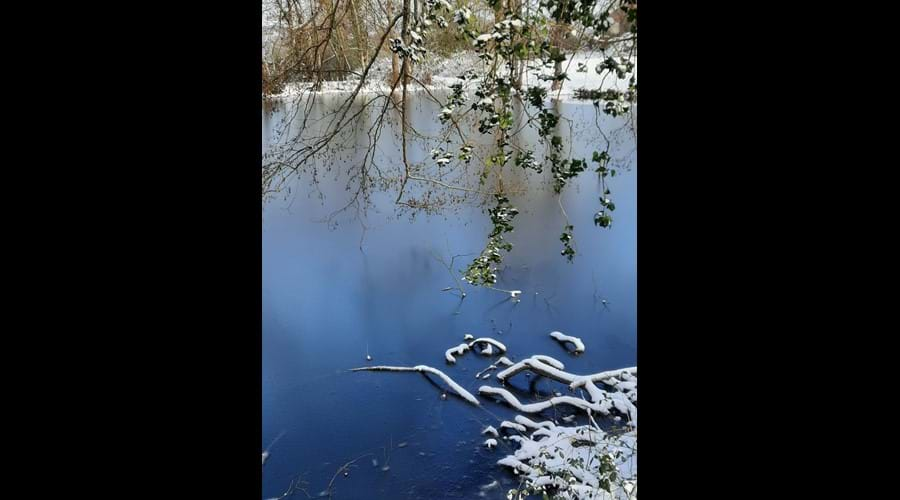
[444, 72]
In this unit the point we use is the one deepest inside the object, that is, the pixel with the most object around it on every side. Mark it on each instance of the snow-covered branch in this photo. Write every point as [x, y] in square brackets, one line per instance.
[424, 369]
[563, 338]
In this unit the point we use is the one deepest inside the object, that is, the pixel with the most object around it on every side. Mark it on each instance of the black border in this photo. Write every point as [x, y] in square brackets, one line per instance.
[191, 105]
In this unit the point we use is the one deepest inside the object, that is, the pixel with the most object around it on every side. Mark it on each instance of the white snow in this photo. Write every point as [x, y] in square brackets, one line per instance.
[490, 443]
[459, 350]
[491, 430]
[445, 72]
[542, 405]
[493, 484]
[560, 336]
[575, 450]
[550, 361]
[496, 343]
[488, 349]
[484, 373]
[506, 424]
[527, 422]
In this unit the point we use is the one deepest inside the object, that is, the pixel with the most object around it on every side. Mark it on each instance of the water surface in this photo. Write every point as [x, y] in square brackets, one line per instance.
[333, 291]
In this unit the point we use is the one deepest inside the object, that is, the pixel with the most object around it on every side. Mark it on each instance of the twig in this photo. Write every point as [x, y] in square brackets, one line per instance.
[424, 370]
[341, 469]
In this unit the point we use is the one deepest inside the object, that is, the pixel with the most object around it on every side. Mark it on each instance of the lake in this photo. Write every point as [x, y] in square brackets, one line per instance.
[337, 287]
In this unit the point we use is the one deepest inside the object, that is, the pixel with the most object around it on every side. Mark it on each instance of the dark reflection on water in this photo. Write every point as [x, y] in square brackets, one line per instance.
[325, 302]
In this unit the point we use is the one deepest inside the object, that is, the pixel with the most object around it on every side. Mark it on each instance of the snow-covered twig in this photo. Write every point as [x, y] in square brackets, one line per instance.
[506, 424]
[459, 350]
[527, 422]
[462, 348]
[513, 294]
[550, 361]
[542, 405]
[550, 368]
[488, 340]
[622, 398]
[502, 361]
[560, 336]
[424, 369]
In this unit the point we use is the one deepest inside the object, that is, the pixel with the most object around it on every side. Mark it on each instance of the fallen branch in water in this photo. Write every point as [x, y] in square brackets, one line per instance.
[424, 369]
[622, 399]
[553, 369]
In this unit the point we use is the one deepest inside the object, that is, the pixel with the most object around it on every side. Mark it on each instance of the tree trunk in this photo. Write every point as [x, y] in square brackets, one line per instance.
[517, 65]
[556, 37]
[557, 70]
[395, 59]
[404, 35]
[362, 42]
[415, 16]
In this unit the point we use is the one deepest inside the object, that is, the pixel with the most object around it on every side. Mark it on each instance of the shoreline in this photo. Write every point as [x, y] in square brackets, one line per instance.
[444, 72]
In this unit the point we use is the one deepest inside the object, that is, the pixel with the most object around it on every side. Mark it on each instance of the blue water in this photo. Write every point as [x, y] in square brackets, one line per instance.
[332, 292]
